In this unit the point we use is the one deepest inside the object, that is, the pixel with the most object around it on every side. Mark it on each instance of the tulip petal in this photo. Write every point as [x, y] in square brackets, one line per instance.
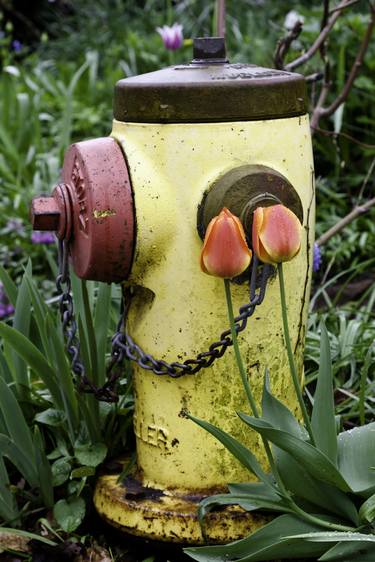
[225, 252]
[280, 234]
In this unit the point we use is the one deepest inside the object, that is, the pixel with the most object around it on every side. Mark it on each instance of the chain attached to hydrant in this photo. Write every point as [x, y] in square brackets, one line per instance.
[124, 347]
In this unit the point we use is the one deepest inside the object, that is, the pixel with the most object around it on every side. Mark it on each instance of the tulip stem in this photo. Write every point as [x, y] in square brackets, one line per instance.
[247, 388]
[237, 352]
[292, 365]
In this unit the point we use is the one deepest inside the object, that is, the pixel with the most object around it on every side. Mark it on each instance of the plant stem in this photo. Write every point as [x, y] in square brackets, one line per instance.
[247, 388]
[292, 364]
[284, 492]
[240, 364]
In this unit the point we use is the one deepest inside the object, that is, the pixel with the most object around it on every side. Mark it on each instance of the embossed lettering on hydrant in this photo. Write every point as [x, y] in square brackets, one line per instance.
[80, 189]
[152, 434]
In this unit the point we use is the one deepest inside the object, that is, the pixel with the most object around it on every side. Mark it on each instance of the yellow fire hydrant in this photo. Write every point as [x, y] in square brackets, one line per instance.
[196, 138]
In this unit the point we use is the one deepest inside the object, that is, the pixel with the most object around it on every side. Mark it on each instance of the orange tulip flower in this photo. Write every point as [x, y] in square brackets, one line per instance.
[276, 234]
[225, 252]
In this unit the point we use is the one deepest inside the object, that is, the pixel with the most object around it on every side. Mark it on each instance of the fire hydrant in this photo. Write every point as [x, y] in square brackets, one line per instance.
[133, 208]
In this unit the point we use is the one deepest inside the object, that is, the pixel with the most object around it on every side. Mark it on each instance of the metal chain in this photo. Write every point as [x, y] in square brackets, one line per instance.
[124, 347]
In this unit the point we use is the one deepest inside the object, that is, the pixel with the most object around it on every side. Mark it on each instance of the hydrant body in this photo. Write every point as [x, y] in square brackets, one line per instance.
[195, 138]
[178, 311]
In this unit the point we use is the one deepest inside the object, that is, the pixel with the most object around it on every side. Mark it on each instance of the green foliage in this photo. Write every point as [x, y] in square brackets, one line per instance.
[337, 522]
[52, 435]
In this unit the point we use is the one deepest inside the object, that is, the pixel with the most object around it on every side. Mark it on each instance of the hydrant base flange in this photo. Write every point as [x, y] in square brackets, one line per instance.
[168, 515]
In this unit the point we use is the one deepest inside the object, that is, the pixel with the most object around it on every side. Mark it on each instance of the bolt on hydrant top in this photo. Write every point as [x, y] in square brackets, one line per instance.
[210, 89]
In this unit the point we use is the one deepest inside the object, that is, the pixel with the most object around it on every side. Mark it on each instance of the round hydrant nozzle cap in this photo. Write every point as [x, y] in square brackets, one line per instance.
[45, 213]
[209, 50]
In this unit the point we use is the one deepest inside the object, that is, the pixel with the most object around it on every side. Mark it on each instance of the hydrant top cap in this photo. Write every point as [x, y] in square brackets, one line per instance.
[210, 89]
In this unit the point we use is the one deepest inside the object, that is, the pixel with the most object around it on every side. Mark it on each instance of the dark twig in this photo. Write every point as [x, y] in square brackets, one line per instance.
[319, 41]
[283, 44]
[326, 111]
[350, 3]
[354, 213]
[335, 135]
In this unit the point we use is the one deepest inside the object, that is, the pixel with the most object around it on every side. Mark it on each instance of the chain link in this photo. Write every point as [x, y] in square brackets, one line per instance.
[124, 347]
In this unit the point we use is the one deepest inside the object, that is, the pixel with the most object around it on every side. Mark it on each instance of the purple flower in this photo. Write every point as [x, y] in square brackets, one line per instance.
[6, 309]
[172, 36]
[317, 258]
[40, 237]
[16, 45]
[15, 225]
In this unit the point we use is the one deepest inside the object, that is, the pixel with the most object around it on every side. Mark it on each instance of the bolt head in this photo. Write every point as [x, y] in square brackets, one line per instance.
[45, 213]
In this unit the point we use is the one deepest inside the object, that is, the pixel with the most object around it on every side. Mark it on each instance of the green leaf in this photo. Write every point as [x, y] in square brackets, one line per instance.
[5, 372]
[51, 416]
[10, 287]
[367, 510]
[313, 460]
[356, 456]
[91, 337]
[359, 551]
[101, 324]
[91, 455]
[278, 414]
[15, 421]
[267, 543]
[64, 373]
[8, 504]
[24, 464]
[246, 457]
[44, 469]
[33, 358]
[21, 323]
[249, 502]
[40, 310]
[83, 472]
[69, 513]
[318, 493]
[60, 471]
[323, 415]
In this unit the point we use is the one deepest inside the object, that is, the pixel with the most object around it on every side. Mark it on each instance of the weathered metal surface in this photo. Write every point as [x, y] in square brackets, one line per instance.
[209, 50]
[209, 89]
[238, 187]
[45, 213]
[169, 515]
[177, 310]
[92, 209]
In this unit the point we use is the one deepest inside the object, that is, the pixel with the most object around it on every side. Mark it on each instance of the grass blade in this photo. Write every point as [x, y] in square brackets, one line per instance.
[33, 357]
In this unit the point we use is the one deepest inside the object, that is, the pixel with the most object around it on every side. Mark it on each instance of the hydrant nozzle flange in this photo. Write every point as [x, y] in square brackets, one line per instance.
[92, 209]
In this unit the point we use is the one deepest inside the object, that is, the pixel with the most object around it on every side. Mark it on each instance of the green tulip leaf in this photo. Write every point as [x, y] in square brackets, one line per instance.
[356, 456]
[317, 493]
[248, 501]
[69, 513]
[323, 421]
[278, 414]
[367, 510]
[268, 543]
[356, 551]
[314, 461]
[246, 457]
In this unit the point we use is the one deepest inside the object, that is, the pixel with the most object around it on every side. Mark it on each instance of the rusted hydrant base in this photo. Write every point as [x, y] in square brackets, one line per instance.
[168, 515]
